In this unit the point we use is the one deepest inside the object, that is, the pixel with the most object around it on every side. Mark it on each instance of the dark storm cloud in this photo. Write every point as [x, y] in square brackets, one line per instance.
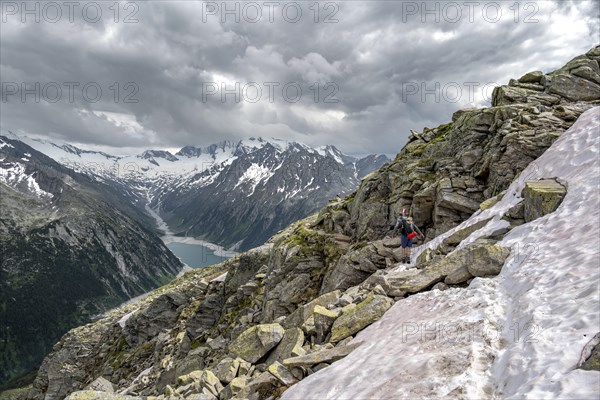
[375, 53]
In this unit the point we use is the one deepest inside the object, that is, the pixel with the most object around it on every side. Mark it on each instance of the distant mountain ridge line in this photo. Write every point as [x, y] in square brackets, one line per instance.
[228, 193]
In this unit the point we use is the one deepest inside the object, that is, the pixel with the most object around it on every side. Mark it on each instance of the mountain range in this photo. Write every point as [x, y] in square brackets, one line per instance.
[234, 194]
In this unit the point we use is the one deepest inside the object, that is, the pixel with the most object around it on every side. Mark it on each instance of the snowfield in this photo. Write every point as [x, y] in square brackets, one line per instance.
[519, 335]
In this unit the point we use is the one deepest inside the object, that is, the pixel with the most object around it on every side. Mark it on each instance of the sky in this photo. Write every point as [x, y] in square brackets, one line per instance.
[127, 76]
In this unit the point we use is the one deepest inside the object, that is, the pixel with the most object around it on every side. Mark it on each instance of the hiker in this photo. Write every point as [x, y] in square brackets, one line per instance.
[408, 231]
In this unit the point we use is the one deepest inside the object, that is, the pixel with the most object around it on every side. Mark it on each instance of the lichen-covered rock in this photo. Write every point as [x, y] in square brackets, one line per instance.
[321, 356]
[486, 260]
[363, 315]
[256, 341]
[238, 387]
[282, 373]
[303, 313]
[542, 197]
[324, 319]
[290, 346]
[227, 369]
[101, 385]
[98, 395]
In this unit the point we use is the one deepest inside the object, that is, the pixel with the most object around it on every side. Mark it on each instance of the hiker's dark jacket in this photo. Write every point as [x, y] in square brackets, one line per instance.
[402, 222]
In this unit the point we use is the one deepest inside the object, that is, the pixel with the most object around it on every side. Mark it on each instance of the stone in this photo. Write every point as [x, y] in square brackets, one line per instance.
[324, 319]
[457, 276]
[290, 346]
[227, 369]
[319, 367]
[441, 286]
[210, 382]
[541, 198]
[282, 373]
[194, 376]
[256, 341]
[264, 383]
[302, 313]
[590, 355]
[574, 88]
[321, 356]
[473, 257]
[456, 201]
[309, 326]
[449, 243]
[364, 314]
[101, 385]
[392, 242]
[98, 395]
[532, 77]
[487, 260]
[238, 387]
[199, 396]
[492, 201]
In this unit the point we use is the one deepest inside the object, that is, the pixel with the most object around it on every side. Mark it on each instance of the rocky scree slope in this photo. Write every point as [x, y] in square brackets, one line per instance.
[290, 308]
[71, 248]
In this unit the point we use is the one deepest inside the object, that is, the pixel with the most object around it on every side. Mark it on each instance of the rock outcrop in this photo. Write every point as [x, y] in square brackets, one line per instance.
[541, 198]
[293, 306]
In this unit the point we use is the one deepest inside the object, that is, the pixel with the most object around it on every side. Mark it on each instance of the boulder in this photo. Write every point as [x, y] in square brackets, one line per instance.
[262, 384]
[238, 387]
[321, 356]
[364, 314]
[541, 198]
[392, 242]
[449, 243]
[324, 319]
[98, 395]
[457, 276]
[303, 313]
[492, 201]
[574, 88]
[227, 369]
[101, 385]
[282, 373]
[456, 201]
[256, 341]
[487, 260]
[290, 346]
[532, 77]
[209, 382]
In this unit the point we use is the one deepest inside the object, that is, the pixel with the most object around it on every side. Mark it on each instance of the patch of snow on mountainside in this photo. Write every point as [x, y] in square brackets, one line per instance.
[255, 174]
[519, 335]
[13, 175]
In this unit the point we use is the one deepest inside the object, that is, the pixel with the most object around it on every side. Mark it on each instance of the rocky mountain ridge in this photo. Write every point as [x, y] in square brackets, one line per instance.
[256, 325]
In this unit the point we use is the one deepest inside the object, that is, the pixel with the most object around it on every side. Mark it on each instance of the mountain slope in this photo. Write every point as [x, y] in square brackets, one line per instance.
[261, 190]
[291, 309]
[518, 335]
[71, 248]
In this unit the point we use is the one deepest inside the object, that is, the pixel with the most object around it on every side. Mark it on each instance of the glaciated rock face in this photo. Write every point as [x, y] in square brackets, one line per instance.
[541, 198]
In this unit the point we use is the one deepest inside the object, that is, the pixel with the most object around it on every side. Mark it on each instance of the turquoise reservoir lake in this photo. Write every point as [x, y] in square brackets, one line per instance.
[196, 255]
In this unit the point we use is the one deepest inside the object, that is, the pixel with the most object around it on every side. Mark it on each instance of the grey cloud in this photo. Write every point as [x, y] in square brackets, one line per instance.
[371, 54]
